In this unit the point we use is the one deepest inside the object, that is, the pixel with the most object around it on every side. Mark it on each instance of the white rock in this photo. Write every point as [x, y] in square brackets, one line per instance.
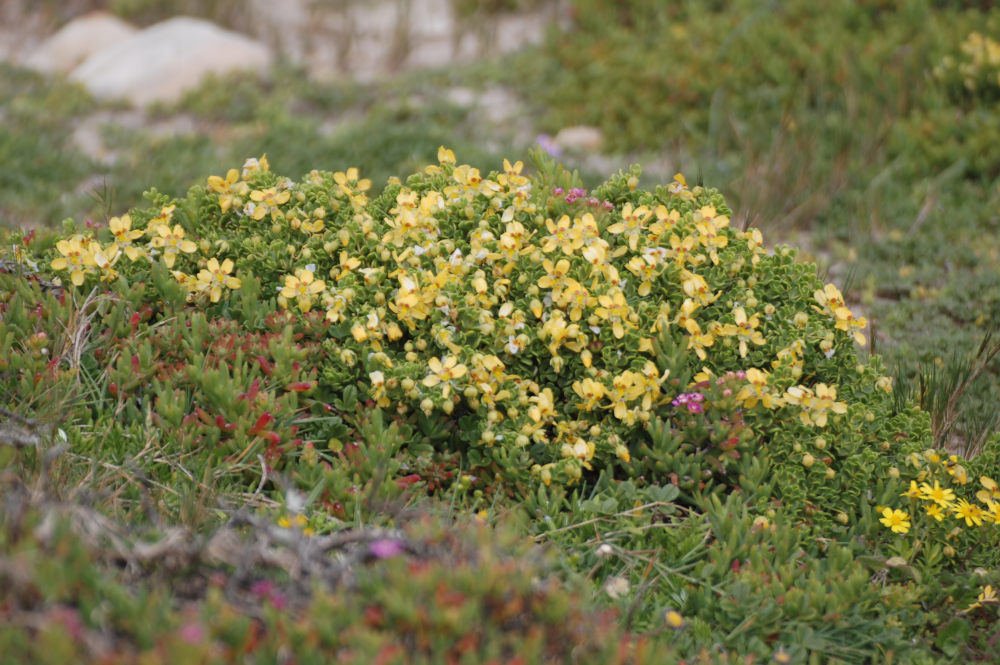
[78, 40]
[162, 62]
[579, 138]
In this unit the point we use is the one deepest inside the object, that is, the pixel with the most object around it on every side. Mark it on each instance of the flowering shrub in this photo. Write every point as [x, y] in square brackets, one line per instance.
[497, 313]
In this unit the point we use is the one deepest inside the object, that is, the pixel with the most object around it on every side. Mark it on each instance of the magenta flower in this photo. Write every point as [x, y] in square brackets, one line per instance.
[192, 633]
[385, 548]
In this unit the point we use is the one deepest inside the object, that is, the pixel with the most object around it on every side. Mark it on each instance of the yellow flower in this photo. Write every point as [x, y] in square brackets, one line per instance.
[189, 282]
[302, 286]
[350, 183]
[815, 404]
[744, 330]
[347, 264]
[573, 297]
[914, 491]
[592, 392]
[696, 287]
[897, 520]
[560, 333]
[970, 512]
[580, 449]
[264, 201]
[445, 155]
[565, 236]
[757, 390]
[378, 388]
[165, 216]
[511, 177]
[224, 188]
[956, 470]
[626, 387]
[411, 304]
[645, 268]
[554, 274]
[665, 221]
[829, 299]
[254, 165]
[942, 496]
[543, 406]
[935, 511]
[631, 224]
[990, 492]
[674, 619]
[77, 257]
[105, 259]
[444, 372]
[685, 317]
[680, 250]
[215, 276]
[172, 242]
[847, 322]
[615, 309]
[987, 597]
[121, 229]
[708, 229]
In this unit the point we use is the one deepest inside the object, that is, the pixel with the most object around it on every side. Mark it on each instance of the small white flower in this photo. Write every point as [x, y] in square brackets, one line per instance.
[295, 501]
[512, 345]
[250, 166]
[617, 587]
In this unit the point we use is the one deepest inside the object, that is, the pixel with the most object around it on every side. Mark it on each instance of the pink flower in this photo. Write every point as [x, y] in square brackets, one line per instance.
[385, 548]
[191, 633]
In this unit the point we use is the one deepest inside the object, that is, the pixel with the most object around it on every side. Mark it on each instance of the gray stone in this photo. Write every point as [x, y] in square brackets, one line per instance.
[579, 138]
[162, 62]
[78, 40]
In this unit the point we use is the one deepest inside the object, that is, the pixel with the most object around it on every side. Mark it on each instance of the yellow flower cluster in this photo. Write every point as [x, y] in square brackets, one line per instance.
[831, 304]
[82, 255]
[565, 285]
[486, 293]
[978, 64]
[938, 501]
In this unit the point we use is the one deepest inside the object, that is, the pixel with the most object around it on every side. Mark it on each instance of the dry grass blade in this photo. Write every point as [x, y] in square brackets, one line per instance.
[942, 391]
